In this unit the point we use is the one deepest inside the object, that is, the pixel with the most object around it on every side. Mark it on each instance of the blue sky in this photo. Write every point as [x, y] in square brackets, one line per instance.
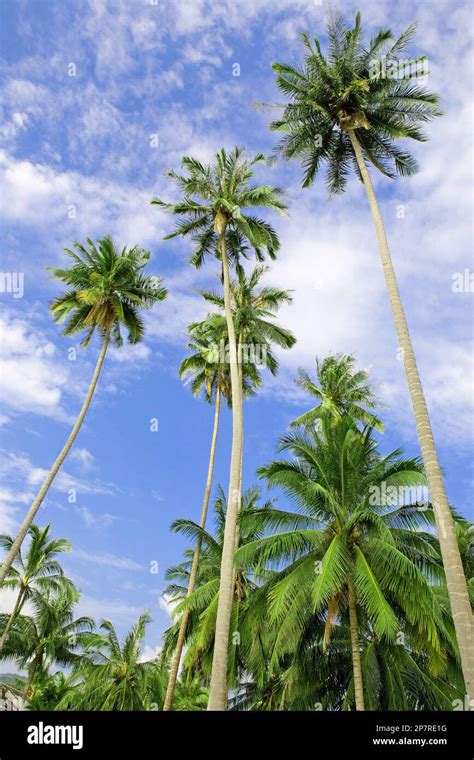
[88, 89]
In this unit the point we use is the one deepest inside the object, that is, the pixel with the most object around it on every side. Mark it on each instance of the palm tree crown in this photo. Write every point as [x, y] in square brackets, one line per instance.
[202, 603]
[348, 88]
[114, 676]
[34, 572]
[339, 390]
[254, 310]
[51, 634]
[352, 547]
[107, 289]
[208, 366]
[204, 366]
[37, 569]
[214, 197]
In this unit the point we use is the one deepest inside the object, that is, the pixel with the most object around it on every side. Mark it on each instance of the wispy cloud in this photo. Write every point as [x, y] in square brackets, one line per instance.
[109, 560]
[96, 520]
[83, 457]
[20, 480]
[97, 607]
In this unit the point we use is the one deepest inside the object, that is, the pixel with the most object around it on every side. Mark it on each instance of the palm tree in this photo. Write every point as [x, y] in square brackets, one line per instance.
[203, 602]
[210, 373]
[49, 635]
[315, 675]
[350, 562]
[339, 390]
[209, 369]
[38, 572]
[50, 690]
[345, 111]
[193, 697]
[107, 289]
[201, 606]
[114, 677]
[253, 313]
[214, 197]
[254, 309]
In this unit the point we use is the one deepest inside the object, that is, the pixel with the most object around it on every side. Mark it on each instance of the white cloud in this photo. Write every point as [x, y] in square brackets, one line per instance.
[167, 604]
[120, 612]
[20, 480]
[83, 457]
[9, 130]
[36, 376]
[7, 601]
[150, 652]
[32, 375]
[24, 94]
[170, 320]
[331, 262]
[93, 520]
[72, 205]
[9, 507]
[109, 560]
[19, 466]
[130, 353]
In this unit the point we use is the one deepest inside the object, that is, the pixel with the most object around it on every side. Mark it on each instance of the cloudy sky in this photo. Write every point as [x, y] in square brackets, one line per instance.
[98, 99]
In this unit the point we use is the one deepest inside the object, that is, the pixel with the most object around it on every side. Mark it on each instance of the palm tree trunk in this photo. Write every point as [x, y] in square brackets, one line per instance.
[239, 508]
[455, 578]
[15, 547]
[218, 687]
[241, 386]
[173, 676]
[12, 617]
[356, 664]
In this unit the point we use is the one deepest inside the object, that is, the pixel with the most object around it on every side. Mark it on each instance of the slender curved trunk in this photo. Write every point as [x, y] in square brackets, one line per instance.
[15, 611]
[356, 664]
[218, 688]
[241, 386]
[173, 676]
[455, 578]
[239, 507]
[7, 563]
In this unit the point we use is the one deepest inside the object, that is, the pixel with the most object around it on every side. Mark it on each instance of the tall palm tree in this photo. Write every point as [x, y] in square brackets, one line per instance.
[209, 372]
[107, 290]
[114, 677]
[203, 602]
[212, 210]
[254, 309]
[37, 572]
[209, 369]
[49, 635]
[349, 563]
[339, 389]
[346, 109]
[253, 313]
